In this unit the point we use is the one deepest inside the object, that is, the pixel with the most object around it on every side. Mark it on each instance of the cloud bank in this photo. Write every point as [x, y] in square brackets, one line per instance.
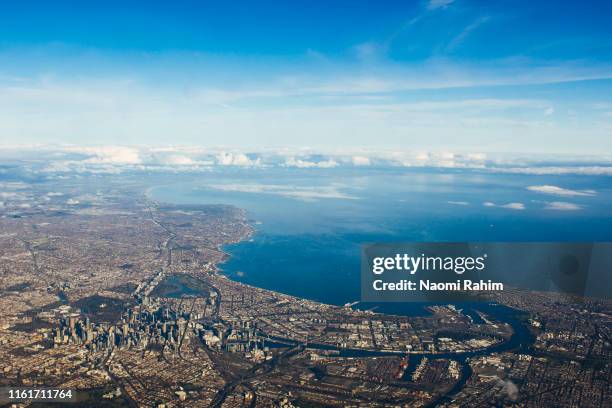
[117, 158]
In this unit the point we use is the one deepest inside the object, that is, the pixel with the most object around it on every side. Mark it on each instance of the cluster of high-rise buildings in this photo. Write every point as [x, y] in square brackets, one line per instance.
[234, 336]
[150, 325]
[139, 327]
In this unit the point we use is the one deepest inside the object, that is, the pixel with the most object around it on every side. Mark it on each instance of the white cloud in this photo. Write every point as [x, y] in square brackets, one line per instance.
[109, 154]
[72, 201]
[559, 191]
[130, 107]
[236, 159]
[563, 206]
[514, 206]
[360, 161]
[304, 164]
[12, 195]
[510, 206]
[13, 185]
[434, 159]
[463, 203]
[177, 160]
[549, 111]
[557, 170]
[295, 192]
[309, 194]
[116, 159]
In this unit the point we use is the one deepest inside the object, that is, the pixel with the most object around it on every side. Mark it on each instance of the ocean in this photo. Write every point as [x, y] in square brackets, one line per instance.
[310, 223]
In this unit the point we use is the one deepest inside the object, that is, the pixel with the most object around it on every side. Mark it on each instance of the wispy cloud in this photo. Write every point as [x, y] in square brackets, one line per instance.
[514, 206]
[562, 206]
[385, 82]
[294, 192]
[437, 4]
[559, 191]
[461, 37]
[370, 51]
[347, 107]
[557, 170]
[510, 206]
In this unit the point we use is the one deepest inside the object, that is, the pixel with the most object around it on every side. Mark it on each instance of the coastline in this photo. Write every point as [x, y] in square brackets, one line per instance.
[218, 271]
[221, 248]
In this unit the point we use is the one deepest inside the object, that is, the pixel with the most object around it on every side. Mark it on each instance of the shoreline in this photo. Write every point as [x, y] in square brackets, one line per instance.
[251, 232]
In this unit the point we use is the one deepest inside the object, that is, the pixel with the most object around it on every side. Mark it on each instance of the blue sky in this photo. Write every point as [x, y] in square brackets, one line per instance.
[439, 75]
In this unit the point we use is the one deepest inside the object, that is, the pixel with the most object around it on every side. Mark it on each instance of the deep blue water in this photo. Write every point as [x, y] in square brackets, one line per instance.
[310, 223]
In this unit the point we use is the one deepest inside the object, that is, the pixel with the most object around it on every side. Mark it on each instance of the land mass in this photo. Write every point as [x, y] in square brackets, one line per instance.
[110, 293]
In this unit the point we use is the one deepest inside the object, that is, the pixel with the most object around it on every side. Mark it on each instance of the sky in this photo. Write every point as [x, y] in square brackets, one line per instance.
[439, 75]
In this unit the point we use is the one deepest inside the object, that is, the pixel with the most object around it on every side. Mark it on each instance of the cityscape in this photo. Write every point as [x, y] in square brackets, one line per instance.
[122, 300]
[306, 204]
